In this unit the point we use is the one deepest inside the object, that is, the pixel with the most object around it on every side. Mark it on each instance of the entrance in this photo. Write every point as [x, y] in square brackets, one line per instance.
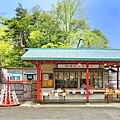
[27, 91]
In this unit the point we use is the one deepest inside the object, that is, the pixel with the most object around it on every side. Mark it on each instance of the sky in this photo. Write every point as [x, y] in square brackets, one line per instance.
[104, 15]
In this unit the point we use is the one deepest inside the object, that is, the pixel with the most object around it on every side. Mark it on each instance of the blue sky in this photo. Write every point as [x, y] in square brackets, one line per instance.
[104, 14]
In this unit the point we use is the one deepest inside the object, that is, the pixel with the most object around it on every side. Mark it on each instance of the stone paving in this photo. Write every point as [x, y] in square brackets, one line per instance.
[59, 113]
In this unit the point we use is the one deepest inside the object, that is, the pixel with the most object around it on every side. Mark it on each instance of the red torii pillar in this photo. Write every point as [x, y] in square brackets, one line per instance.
[118, 78]
[87, 82]
[38, 65]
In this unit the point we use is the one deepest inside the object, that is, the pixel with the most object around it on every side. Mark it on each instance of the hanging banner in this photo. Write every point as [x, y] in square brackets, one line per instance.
[77, 66]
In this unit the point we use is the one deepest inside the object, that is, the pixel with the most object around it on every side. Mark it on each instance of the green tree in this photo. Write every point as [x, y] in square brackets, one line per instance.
[5, 48]
[61, 27]
[72, 18]
[18, 26]
[14, 58]
[101, 36]
[57, 45]
[70, 15]
[18, 32]
[89, 39]
[2, 32]
[44, 30]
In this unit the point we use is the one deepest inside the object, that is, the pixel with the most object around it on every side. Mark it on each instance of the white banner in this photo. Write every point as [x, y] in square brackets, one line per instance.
[77, 66]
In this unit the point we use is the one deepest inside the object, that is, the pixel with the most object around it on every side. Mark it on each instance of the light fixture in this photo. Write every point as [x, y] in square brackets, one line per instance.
[79, 64]
[115, 65]
[105, 64]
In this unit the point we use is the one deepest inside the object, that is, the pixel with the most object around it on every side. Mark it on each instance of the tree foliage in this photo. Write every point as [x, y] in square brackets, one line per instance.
[61, 27]
[70, 15]
[18, 26]
[89, 39]
[5, 48]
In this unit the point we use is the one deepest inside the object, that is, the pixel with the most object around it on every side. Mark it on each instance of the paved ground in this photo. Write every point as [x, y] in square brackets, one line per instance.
[71, 104]
[68, 111]
[59, 113]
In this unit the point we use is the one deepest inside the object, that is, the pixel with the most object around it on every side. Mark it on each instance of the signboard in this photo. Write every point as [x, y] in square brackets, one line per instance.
[77, 66]
[45, 77]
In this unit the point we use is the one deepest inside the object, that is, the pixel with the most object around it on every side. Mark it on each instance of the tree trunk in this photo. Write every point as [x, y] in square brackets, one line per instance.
[2, 77]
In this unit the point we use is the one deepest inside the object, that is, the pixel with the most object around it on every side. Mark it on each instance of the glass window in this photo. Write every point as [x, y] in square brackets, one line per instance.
[111, 80]
[60, 76]
[96, 80]
[17, 77]
[12, 77]
[66, 80]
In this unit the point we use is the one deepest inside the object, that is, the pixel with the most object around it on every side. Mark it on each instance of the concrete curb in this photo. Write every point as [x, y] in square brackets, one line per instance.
[29, 104]
[68, 106]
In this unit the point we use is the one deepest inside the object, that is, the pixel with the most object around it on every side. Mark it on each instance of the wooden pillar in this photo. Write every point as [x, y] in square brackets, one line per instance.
[38, 65]
[22, 74]
[87, 82]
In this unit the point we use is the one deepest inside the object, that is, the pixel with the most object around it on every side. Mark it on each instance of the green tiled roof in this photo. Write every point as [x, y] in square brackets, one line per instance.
[72, 54]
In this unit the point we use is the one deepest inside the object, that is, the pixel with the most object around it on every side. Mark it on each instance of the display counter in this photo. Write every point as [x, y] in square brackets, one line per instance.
[78, 90]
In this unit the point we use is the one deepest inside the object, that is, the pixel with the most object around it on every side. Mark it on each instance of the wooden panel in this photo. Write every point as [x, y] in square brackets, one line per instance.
[48, 68]
[44, 83]
[47, 80]
[50, 83]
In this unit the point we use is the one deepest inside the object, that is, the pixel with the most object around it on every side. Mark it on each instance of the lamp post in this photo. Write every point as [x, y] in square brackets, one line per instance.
[79, 42]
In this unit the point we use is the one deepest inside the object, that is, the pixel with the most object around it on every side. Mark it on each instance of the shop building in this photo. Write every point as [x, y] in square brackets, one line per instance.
[69, 68]
[66, 69]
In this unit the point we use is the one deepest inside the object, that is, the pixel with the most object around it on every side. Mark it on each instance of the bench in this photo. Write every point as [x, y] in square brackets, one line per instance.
[61, 96]
[109, 96]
